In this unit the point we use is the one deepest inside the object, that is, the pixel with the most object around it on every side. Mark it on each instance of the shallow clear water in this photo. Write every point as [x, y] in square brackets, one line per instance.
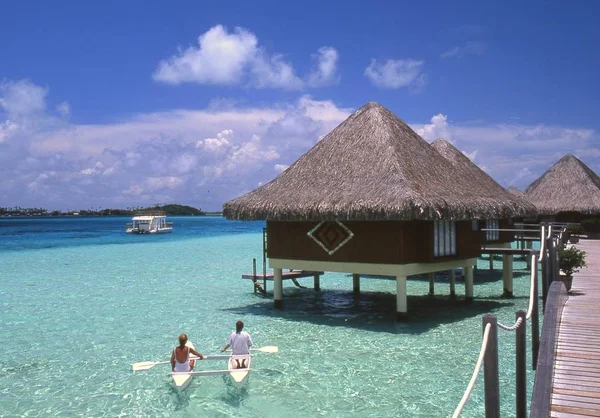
[81, 301]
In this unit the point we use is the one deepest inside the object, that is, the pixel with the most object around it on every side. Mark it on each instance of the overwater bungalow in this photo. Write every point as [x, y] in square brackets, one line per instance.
[373, 198]
[497, 233]
[569, 191]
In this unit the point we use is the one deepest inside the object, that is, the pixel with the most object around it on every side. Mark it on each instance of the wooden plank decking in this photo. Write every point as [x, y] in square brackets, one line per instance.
[296, 274]
[576, 383]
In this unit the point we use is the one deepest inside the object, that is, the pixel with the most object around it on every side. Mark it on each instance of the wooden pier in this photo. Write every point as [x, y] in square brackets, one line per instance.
[292, 275]
[576, 382]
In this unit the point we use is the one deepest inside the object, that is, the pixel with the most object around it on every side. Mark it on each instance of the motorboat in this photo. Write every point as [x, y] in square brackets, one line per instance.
[149, 223]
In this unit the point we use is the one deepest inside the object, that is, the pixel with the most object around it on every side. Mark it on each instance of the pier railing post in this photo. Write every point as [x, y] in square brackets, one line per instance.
[490, 369]
[545, 269]
[520, 370]
[254, 280]
[535, 315]
[554, 262]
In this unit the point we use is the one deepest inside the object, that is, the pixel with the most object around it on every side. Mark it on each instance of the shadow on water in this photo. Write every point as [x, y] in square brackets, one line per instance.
[370, 311]
[235, 395]
[183, 398]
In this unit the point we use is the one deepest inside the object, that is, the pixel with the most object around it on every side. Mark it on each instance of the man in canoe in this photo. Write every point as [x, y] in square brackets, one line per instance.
[240, 343]
[180, 357]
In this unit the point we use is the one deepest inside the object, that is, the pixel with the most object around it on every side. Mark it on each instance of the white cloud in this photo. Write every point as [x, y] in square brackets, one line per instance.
[394, 74]
[22, 97]
[470, 48]
[236, 58]
[438, 128]
[515, 154]
[200, 157]
[220, 58]
[217, 145]
[205, 157]
[470, 155]
[93, 170]
[64, 109]
[326, 71]
[280, 168]
[7, 129]
[274, 72]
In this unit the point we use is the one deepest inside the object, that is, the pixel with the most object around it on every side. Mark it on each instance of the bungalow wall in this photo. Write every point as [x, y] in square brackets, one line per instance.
[503, 236]
[383, 242]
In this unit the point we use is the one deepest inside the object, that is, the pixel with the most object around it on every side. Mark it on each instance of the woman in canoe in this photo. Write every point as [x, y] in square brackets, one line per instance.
[180, 357]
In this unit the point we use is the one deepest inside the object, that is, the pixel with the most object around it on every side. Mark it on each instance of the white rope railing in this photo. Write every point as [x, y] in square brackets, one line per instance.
[543, 244]
[545, 235]
[465, 397]
[514, 327]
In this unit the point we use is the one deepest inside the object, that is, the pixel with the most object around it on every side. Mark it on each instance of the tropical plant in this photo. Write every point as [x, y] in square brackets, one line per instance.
[574, 229]
[570, 260]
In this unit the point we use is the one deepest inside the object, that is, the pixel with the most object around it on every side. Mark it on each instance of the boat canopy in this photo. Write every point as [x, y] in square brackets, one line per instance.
[145, 218]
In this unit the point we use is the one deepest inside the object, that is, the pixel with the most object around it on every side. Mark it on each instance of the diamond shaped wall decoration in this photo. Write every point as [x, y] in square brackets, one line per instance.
[331, 236]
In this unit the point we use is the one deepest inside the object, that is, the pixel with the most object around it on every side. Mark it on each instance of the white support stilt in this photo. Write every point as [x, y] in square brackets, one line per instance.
[431, 277]
[507, 275]
[278, 288]
[401, 298]
[452, 278]
[356, 283]
[491, 262]
[468, 275]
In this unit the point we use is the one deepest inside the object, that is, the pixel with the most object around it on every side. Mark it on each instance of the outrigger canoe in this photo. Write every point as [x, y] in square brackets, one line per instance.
[239, 376]
[182, 380]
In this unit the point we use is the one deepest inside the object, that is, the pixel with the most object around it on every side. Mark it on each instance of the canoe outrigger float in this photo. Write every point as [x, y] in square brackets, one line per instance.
[181, 380]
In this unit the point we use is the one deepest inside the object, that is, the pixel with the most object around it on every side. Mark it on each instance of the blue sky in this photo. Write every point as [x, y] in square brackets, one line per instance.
[114, 104]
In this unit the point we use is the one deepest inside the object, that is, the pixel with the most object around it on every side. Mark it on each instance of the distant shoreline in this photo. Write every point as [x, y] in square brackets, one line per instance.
[169, 210]
[207, 214]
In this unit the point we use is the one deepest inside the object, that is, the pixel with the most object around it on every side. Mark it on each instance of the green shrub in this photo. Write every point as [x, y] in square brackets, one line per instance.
[570, 260]
[574, 229]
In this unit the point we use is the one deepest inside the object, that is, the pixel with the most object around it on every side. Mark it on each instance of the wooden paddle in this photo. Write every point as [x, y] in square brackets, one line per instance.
[268, 349]
[208, 372]
[146, 365]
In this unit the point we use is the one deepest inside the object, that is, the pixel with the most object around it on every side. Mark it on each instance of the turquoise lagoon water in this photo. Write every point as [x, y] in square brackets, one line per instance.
[81, 301]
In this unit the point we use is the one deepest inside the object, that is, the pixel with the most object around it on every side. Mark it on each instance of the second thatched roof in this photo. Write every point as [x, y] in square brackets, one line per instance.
[568, 186]
[372, 167]
[468, 169]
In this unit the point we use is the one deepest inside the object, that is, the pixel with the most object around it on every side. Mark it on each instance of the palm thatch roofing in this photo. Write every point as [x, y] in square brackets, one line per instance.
[467, 168]
[568, 186]
[372, 167]
[519, 194]
[514, 190]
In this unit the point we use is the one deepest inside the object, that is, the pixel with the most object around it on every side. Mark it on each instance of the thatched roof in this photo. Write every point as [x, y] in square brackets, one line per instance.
[468, 169]
[567, 186]
[371, 167]
[515, 191]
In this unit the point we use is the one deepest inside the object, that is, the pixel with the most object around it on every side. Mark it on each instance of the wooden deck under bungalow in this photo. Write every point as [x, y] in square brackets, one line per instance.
[374, 198]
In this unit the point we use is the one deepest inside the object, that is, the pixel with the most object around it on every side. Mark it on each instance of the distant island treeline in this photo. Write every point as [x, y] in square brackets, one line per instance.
[173, 210]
